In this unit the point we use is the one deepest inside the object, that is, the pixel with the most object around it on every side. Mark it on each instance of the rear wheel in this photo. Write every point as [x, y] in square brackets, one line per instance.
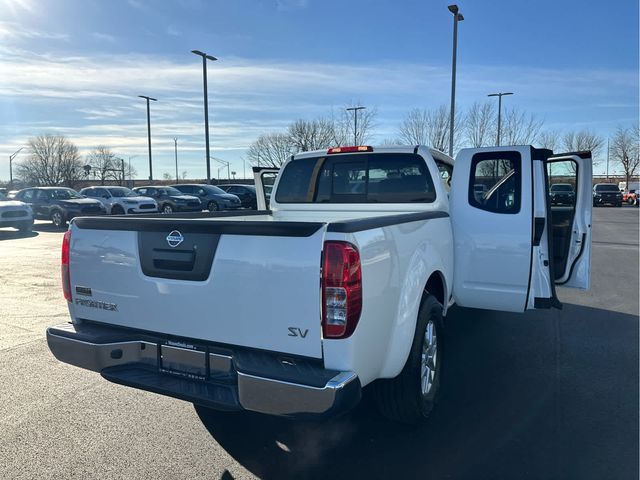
[57, 217]
[410, 397]
[26, 227]
[117, 210]
[212, 206]
[166, 208]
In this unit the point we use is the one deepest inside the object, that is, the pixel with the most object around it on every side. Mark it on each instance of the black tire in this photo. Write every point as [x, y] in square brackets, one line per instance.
[402, 398]
[167, 208]
[212, 206]
[117, 210]
[26, 227]
[58, 219]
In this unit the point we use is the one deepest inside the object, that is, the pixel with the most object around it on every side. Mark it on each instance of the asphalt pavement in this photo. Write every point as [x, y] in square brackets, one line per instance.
[545, 394]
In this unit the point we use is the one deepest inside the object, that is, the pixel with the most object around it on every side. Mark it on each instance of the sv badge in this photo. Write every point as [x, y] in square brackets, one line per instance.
[297, 332]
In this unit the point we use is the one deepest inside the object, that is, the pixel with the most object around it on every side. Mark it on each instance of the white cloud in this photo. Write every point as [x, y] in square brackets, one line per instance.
[104, 37]
[15, 31]
[93, 100]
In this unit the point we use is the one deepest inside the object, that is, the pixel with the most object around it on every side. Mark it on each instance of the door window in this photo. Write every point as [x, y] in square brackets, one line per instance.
[27, 196]
[563, 180]
[495, 182]
[41, 196]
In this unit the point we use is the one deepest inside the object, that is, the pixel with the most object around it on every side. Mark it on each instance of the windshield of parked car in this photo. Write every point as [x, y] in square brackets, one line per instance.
[169, 191]
[216, 190]
[607, 188]
[561, 188]
[122, 192]
[64, 194]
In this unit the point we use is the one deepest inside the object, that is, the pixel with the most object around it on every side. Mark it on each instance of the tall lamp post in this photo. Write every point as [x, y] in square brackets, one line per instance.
[149, 133]
[355, 122]
[206, 105]
[11, 157]
[457, 17]
[175, 144]
[499, 95]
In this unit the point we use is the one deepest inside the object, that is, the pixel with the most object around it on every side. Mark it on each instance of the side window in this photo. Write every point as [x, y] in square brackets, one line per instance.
[495, 183]
[27, 195]
[190, 190]
[446, 172]
[101, 193]
[142, 191]
[89, 192]
[41, 195]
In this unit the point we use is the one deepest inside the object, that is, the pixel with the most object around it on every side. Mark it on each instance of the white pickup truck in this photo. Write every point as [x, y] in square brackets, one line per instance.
[342, 283]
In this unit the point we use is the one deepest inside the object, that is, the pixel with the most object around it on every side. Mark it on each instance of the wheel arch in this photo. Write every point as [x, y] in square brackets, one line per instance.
[399, 346]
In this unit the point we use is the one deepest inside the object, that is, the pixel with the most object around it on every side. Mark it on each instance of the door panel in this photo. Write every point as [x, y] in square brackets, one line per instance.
[264, 178]
[491, 214]
[571, 218]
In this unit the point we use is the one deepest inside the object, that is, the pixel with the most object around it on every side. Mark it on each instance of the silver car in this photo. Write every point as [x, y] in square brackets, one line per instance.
[121, 200]
[15, 214]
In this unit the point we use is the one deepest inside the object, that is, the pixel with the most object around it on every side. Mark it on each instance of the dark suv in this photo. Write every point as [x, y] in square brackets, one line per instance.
[607, 193]
[170, 200]
[213, 198]
[562, 194]
[246, 194]
[59, 204]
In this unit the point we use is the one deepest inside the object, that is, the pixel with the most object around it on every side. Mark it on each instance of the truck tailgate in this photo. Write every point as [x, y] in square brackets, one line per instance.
[246, 283]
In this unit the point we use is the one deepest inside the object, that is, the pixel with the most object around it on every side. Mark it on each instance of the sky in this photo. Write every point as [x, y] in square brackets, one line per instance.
[76, 68]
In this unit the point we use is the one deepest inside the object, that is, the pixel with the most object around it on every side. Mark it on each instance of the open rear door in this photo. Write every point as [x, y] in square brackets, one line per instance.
[499, 218]
[264, 178]
[570, 204]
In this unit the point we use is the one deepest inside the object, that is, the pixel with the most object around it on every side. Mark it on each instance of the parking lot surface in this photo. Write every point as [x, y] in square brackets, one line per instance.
[546, 394]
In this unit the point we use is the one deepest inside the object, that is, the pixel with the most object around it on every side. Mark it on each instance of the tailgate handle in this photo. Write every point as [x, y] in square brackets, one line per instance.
[179, 260]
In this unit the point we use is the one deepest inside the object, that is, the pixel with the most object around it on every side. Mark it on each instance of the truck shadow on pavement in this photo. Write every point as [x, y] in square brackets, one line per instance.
[15, 234]
[535, 395]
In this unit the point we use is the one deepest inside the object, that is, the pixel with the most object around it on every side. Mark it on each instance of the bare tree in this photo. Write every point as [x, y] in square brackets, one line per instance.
[309, 135]
[549, 139]
[625, 150]
[270, 150]
[519, 128]
[343, 125]
[53, 160]
[104, 164]
[166, 176]
[428, 127]
[582, 140]
[480, 125]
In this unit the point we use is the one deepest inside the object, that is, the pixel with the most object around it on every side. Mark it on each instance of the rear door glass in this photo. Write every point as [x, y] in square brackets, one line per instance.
[362, 178]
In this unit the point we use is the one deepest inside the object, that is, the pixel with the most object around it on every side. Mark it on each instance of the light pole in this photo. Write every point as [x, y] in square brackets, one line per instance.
[149, 133]
[206, 105]
[457, 17]
[11, 157]
[499, 95]
[355, 123]
[175, 144]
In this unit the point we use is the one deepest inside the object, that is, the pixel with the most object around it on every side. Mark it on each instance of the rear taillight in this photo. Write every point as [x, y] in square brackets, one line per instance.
[66, 281]
[341, 289]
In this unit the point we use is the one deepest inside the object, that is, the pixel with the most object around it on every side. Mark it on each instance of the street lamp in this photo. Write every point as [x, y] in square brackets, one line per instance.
[499, 95]
[149, 133]
[457, 17]
[206, 105]
[11, 157]
[355, 122]
[175, 144]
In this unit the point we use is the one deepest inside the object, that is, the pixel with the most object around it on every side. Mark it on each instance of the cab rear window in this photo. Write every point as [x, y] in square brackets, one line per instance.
[360, 178]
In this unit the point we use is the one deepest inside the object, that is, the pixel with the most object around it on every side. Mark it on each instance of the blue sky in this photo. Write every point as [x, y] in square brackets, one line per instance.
[76, 67]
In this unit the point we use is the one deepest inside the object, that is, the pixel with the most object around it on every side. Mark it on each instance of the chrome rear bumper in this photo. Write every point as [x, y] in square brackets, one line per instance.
[207, 375]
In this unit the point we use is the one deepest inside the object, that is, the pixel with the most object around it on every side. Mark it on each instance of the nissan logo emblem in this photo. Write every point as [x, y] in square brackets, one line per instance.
[174, 239]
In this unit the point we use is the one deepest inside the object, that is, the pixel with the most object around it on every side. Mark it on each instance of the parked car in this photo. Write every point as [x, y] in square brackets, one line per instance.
[12, 193]
[562, 194]
[607, 194]
[294, 311]
[15, 214]
[121, 200]
[170, 200]
[630, 197]
[59, 204]
[246, 194]
[212, 198]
